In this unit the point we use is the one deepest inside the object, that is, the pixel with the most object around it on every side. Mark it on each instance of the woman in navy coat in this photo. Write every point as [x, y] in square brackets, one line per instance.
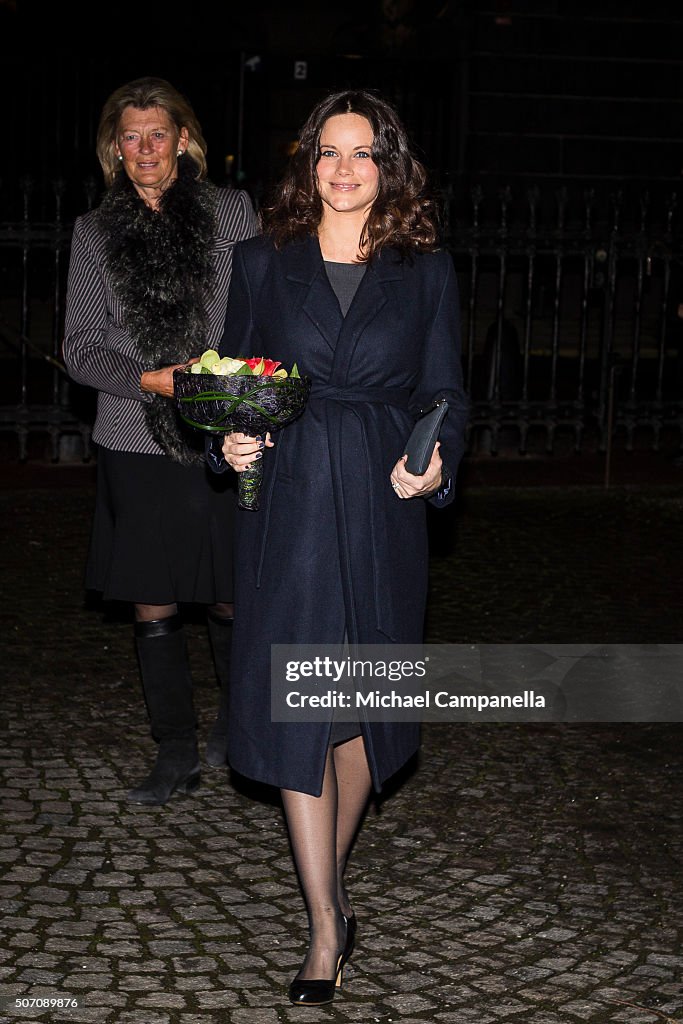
[348, 282]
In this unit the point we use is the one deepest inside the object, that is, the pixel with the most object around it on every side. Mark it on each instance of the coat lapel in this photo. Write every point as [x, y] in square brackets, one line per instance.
[304, 267]
[371, 297]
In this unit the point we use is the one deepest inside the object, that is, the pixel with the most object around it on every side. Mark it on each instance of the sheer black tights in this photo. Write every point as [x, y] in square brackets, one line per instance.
[154, 612]
[321, 832]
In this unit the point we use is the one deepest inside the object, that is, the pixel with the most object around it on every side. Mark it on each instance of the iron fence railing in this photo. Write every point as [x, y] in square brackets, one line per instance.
[37, 400]
[570, 323]
[571, 333]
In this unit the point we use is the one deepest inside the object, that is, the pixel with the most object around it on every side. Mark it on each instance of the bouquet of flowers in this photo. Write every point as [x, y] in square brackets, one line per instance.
[255, 395]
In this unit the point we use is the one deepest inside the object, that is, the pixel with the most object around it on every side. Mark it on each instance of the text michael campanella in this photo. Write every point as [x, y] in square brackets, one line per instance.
[349, 671]
[393, 699]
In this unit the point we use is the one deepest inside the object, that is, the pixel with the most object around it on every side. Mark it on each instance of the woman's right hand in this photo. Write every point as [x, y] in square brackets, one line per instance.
[240, 450]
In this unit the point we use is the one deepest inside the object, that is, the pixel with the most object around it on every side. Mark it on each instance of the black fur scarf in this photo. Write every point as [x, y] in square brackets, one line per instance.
[161, 270]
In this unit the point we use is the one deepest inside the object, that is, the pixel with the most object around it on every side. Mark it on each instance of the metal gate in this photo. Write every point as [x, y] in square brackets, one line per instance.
[571, 333]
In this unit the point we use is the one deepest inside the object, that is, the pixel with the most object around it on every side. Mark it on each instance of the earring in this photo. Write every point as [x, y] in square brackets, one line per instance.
[180, 152]
[120, 157]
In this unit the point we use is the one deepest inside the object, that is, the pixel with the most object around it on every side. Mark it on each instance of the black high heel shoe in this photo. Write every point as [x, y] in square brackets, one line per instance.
[350, 936]
[318, 991]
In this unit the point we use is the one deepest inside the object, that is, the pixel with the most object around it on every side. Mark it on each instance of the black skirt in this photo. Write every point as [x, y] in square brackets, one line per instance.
[162, 533]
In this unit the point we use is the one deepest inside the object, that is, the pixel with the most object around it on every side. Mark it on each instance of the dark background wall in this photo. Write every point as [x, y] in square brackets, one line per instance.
[507, 92]
[564, 95]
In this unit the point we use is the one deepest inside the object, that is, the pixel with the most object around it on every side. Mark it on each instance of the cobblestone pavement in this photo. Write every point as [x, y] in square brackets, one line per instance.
[517, 873]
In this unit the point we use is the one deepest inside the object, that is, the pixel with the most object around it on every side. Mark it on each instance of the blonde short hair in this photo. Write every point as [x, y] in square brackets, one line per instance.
[144, 93]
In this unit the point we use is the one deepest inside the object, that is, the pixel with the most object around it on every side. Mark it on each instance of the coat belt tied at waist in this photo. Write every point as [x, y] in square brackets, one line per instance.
[341, 402]
[377, 396]
[364, 498]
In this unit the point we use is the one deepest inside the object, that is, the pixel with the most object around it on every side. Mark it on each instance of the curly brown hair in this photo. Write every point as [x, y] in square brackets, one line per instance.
[403, 214]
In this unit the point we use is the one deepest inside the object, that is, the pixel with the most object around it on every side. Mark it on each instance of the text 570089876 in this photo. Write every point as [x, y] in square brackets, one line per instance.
[46, 1003]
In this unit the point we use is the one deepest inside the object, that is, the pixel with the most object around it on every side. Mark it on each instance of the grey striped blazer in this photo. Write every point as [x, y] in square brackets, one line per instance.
[100, 353]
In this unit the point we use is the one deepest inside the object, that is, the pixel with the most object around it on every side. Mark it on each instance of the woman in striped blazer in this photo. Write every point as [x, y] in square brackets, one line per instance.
[147, 290]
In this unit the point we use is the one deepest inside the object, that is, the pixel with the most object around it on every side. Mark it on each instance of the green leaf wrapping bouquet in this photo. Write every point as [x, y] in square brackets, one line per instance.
[221, 395]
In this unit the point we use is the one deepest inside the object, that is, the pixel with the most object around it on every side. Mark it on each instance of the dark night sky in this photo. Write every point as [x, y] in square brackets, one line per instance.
[212, 26]
[506, 90]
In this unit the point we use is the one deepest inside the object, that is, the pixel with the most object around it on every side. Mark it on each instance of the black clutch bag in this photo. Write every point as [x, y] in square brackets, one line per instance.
[424, 435]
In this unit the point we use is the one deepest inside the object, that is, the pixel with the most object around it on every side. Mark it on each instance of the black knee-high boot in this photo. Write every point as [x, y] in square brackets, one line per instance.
[167, 685]
[220, 635]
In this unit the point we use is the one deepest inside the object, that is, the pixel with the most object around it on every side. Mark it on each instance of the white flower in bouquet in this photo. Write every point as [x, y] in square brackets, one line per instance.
[256, 366]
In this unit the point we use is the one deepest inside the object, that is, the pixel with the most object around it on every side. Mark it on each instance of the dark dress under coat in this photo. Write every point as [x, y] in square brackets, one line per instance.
[332, 551]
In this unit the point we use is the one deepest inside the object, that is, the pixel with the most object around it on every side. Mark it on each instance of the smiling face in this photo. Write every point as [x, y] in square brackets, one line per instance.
[348, 178]
[148, 142]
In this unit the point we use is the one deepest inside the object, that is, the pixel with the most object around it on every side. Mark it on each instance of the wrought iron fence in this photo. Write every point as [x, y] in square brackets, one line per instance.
[571, 326]
[571, 333]
[39, 406]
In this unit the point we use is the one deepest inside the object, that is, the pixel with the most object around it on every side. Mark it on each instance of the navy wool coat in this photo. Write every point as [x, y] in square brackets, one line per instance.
[333, 552]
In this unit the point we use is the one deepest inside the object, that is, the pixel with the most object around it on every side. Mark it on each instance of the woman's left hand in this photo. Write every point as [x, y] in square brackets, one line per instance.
[407, 485]
[160, 382]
